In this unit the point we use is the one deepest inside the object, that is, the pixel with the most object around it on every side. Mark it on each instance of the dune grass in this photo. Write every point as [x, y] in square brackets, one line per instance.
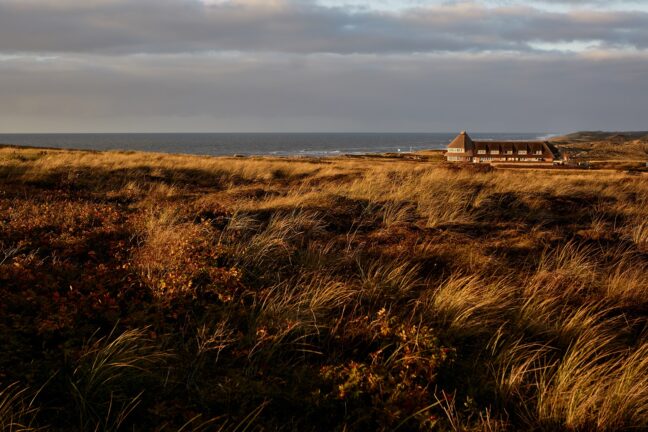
[168, 292]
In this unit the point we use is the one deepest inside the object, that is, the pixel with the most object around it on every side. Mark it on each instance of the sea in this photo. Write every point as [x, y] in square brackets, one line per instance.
[276, 144]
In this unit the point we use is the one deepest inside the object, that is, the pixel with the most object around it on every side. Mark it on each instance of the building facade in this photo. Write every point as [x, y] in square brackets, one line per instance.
[464, 149]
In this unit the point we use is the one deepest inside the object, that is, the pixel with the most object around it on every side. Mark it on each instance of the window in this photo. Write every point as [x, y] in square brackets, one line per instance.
[455, 150]
[522, 152]
[509, 151]
[538, 152]
[494, 151]
[481, 151]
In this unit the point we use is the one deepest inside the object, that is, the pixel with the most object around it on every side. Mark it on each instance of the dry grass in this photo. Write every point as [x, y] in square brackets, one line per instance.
[110, 377]
[17, 411]
[319, 294]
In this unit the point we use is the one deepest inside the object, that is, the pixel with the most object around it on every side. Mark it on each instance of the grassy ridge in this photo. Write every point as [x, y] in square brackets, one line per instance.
[160, 292]
[605, 146]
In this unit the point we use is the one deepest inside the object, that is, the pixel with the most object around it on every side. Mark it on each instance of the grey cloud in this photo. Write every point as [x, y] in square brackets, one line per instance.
[176, 26]
[324, 92]
[282, 65]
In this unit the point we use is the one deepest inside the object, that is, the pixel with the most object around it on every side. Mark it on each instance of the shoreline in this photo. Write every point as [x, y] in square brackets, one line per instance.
[393, 155]
[433, 156]
[278, 144]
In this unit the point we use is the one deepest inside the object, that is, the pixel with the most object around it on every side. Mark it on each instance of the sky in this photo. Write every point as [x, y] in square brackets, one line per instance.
[323, 65]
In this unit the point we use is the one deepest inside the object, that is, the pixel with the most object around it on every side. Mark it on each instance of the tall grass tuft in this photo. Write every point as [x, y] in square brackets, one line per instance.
[111, 377]
[469, 306]
[17, 409]
[388, 281]
[639, 234]
[273, 246]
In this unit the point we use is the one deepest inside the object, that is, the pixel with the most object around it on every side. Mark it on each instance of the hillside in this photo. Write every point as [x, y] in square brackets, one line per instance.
[605, 146]
[165, 292]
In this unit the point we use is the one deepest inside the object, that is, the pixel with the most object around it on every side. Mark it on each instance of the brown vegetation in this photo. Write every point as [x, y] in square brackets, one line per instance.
[159, 292]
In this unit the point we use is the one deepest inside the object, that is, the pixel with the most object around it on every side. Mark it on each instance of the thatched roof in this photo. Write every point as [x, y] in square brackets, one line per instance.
[463, 141]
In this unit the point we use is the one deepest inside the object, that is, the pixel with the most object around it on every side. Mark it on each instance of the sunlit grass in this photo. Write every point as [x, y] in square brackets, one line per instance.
[170, 292]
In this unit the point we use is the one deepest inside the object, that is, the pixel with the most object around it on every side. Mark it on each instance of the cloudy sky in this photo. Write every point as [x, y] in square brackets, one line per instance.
[323, 65]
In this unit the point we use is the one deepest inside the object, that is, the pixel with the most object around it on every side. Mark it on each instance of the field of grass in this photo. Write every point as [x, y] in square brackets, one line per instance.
[144, 292]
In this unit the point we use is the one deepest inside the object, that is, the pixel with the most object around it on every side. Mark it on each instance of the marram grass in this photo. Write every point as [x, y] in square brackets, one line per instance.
[165, 292]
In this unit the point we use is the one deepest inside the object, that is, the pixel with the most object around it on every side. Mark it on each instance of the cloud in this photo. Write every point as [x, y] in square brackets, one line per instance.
[118, 27]
[282, 65]
[324, 93]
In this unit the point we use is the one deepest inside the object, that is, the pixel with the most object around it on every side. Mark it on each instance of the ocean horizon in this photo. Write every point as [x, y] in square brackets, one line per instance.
[250, 144]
